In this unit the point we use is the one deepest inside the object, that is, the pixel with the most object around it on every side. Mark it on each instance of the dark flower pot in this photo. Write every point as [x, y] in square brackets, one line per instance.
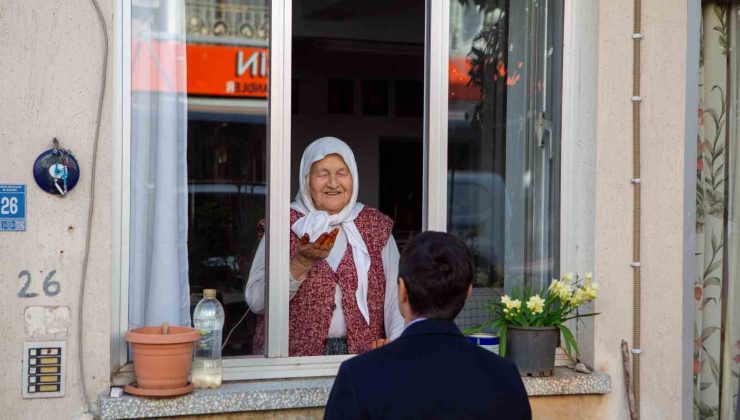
[532, 349]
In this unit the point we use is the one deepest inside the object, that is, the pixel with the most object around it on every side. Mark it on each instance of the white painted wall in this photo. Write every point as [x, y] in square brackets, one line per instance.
[49, 81]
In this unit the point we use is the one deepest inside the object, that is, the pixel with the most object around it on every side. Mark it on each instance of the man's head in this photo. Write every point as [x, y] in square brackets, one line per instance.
[435, 276]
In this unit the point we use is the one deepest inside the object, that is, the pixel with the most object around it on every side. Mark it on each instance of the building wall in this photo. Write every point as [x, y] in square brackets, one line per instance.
[613, 203]
[666, 206]
[49, 81]
[48, 85]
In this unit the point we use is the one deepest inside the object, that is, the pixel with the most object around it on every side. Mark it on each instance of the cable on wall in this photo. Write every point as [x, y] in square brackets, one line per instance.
[637, 37]
[86, 257]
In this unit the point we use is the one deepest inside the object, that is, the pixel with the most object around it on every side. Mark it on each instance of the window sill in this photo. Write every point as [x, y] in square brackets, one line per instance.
[568, 382]
[304, 393]
[272, 394]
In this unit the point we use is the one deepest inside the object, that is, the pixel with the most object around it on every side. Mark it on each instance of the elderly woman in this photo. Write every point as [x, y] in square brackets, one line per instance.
[343, 262]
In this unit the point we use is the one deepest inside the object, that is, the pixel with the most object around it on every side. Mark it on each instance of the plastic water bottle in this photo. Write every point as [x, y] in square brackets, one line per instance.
[208, 319]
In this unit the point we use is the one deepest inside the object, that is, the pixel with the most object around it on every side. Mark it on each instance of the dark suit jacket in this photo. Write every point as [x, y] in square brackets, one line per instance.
[430, 372]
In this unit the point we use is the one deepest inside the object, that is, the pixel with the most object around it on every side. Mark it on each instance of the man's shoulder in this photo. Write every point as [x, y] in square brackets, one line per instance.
[371, 357]
[411, 350]
[381, 359]
[441, 371]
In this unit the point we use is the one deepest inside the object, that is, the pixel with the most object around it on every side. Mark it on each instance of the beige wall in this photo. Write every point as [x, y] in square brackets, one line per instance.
[587, 407]
[613, 246]
[49, 79]
[669, 142]
[664, 131]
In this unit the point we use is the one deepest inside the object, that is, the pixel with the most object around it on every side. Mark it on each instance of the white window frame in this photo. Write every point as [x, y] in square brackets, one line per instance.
[277, 364]
[578, 151]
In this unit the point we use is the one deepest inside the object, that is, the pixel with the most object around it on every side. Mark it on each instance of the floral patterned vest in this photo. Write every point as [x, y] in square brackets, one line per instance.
[312, 307]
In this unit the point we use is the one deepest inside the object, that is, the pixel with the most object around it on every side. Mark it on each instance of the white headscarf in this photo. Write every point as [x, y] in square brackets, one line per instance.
[317, 222]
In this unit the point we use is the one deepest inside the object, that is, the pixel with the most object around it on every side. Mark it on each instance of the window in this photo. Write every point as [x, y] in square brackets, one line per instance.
[211, 147]
[503, 152]
[198, 158]
[363, 53]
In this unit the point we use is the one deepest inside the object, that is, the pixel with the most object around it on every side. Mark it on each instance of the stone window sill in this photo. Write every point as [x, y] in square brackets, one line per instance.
[280, 394]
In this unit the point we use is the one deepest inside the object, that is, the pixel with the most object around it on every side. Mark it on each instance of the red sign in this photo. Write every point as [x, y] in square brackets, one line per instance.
[227, 71]
[458, 78]
[212, 70]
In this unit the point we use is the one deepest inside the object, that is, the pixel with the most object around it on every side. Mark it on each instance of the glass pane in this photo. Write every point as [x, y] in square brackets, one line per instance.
[359, 67]
[504, 142]
[198, 153]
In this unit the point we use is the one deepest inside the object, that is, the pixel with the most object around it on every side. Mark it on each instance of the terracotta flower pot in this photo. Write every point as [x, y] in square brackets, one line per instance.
[162, 361]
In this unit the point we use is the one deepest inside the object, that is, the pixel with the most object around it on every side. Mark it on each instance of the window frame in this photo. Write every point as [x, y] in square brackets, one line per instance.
[276, 363]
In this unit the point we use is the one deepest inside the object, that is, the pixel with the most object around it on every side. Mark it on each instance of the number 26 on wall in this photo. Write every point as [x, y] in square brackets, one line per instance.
[51, 287]
[9, 205]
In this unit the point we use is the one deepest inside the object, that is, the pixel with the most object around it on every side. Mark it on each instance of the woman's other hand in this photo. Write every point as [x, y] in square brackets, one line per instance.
[310, 253]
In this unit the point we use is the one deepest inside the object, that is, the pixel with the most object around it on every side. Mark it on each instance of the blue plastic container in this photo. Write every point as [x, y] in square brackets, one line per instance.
[489, 342]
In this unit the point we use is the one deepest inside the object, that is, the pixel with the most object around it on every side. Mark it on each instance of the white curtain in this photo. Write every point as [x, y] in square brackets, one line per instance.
[159, 289]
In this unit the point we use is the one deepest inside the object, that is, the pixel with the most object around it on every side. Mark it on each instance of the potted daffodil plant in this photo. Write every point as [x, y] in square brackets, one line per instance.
[529, 323]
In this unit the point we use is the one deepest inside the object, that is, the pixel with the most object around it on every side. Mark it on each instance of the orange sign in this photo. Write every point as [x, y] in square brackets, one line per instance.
[212, 70]
[221, 70]
[458, 77]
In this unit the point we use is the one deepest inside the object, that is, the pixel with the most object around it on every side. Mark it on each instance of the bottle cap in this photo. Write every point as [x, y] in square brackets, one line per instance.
[209, 293]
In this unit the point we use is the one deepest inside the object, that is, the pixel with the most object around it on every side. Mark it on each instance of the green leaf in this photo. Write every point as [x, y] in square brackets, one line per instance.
[502, 341]
[707, 300]
[713, 114]
[707, 411]
[473, 330]
[581, 316]
[705, 385]
[707, 332]
[570, 341]
[712, 267]
[719, 146]
[714, 366]
[718, 170]
[712, 281]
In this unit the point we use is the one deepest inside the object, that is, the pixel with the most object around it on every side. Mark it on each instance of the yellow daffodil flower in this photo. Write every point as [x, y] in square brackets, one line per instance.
[535, 304]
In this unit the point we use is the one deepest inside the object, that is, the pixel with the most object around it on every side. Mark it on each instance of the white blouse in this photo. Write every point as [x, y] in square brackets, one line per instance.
[255, 290]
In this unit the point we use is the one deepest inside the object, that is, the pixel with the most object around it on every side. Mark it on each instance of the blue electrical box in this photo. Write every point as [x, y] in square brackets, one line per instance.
[12, 207]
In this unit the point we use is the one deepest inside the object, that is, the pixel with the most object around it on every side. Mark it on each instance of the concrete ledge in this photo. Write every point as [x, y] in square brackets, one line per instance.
[568, 382]
[229, 398]
[301, 393]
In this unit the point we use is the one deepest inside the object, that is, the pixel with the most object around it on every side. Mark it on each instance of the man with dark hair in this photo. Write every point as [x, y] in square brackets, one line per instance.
[431, 371]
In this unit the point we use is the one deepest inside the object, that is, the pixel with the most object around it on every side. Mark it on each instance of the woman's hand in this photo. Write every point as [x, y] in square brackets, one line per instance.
[318, 250]
[380, 342]
[310, 253]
